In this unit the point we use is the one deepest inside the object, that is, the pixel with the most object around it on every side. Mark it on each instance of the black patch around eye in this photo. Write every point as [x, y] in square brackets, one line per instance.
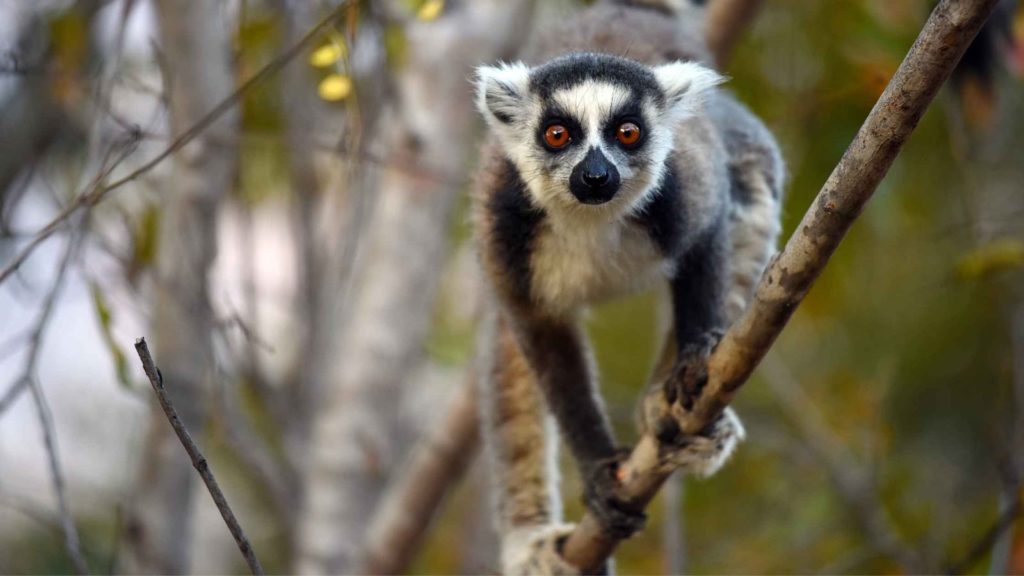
[553, 117]
[611, 129]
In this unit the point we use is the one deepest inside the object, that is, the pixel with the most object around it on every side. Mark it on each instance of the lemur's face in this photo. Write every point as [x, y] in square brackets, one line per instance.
[590, 132]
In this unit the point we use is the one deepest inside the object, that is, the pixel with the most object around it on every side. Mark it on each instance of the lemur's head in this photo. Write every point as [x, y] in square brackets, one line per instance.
[590, 131]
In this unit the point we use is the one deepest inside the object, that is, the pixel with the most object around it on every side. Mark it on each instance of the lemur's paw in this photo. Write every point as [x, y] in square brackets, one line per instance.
[691, 370]
[537, 551]
[665, 405]
[602, 496]
[704, 453]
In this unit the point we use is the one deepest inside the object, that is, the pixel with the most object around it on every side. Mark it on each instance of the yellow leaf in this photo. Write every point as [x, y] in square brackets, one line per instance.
[430, 10]
[326, 55]
[999, 255]
[335, 87]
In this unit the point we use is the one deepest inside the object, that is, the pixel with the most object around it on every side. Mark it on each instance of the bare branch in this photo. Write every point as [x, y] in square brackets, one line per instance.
[854, 486]
[950, 29]
[98, 189]
[1001, 525]
[67, 523]
[156, 379]
[726, 22]
[438, 463]
[29, 381]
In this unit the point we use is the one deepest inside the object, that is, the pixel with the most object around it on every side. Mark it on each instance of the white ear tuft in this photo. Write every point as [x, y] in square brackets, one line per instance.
[686, 83]
[501, 91]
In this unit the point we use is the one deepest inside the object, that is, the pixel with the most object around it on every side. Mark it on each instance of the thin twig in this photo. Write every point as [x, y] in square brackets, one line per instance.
[856, 488]
[156, 379]
[67, 523]
[98, 190]
[950, 29]
[978, 550]
[29, 381]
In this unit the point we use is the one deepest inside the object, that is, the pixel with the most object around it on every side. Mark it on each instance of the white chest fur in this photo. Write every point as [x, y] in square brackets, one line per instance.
[573, 266]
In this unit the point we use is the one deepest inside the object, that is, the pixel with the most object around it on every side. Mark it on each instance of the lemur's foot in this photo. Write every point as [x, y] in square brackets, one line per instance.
[537, 551]
[704, 453]
[602, 495]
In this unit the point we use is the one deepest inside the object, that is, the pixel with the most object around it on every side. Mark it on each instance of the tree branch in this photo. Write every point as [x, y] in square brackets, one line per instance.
[156, 379]
[950, 29]
[852, 483]
[98, 189]
[408, 507]
[1002, 525]
[726, 22]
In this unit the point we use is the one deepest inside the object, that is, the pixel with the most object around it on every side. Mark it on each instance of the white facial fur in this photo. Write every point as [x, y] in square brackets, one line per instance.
[514, 112]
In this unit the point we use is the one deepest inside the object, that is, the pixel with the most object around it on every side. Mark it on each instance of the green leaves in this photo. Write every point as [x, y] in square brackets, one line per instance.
[99, 303]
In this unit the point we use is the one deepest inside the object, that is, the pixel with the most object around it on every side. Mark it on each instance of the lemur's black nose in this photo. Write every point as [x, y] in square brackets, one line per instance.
[595, 180]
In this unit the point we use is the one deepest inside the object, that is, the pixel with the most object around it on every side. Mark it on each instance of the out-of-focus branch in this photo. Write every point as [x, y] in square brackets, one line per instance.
[274, 474]
[1001, 526]
[410, 504]
[853, 485]
[99, 188]
[156, 379]
[385, 315]
[948, 32]
[30, 381]
[725, 24]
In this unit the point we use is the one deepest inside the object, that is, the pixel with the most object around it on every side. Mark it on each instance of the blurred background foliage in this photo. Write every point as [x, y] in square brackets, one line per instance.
[903, 352]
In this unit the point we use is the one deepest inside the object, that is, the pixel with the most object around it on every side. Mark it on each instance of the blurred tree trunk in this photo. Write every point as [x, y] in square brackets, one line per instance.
[428, 141]
[195, 42]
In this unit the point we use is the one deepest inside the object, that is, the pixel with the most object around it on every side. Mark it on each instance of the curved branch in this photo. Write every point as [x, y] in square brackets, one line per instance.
[950, 29]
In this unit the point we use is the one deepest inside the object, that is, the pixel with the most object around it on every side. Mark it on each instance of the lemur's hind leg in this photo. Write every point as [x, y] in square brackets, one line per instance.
[521, 442]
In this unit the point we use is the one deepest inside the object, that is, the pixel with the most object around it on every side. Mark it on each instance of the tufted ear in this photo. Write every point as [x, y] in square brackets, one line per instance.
[501, 91]
[685, 84]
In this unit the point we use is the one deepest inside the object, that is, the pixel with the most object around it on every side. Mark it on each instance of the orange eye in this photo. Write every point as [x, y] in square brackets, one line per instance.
[556, 136]
[628, 134]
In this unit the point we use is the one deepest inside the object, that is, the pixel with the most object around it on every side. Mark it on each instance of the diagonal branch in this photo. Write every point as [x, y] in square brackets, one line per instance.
[950, 29]
[156, 379]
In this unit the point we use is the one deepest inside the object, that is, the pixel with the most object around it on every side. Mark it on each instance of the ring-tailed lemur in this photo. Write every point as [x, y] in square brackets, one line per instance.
[604, 175]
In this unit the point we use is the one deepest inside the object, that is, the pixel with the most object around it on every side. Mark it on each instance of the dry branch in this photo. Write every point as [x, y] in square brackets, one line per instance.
[726, 22]
[950, 29]
[408, 507]
[156, 379]
[99, 188]
[1002, 525]
[29, 381]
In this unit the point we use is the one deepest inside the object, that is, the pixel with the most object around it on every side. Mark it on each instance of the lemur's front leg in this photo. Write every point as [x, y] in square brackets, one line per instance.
[557, 351]
[698, 290]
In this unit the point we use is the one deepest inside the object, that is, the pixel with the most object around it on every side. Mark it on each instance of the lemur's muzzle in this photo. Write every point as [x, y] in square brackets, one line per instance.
[594, 180]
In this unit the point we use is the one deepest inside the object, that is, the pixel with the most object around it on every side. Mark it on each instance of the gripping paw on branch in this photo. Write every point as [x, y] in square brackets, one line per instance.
[603, 496]
[537, 550]
[666, 406]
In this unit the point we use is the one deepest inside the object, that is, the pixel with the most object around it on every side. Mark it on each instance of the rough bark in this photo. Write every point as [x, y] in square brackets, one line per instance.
[199, 77]
[789, 277]
[393, 292]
